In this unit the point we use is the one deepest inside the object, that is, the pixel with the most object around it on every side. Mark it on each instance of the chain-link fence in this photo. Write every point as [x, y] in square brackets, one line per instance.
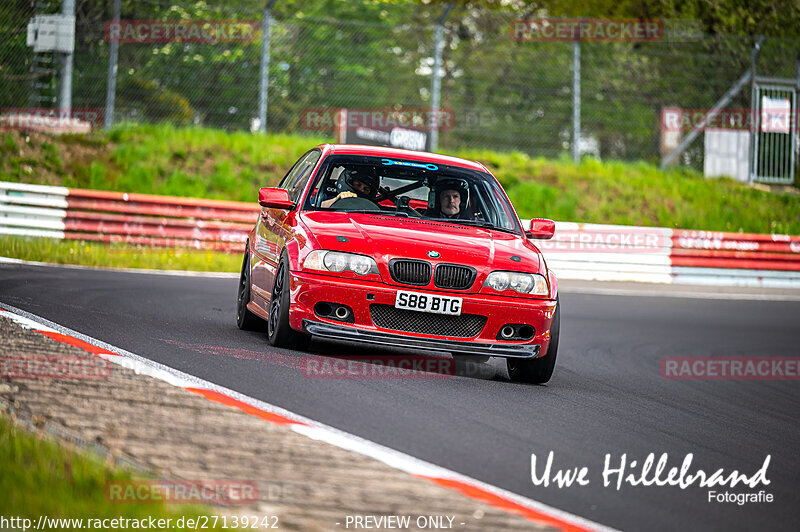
[504, 93]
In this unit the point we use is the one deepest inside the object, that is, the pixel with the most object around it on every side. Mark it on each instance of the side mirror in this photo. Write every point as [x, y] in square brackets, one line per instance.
[274, 198]
[541, 228]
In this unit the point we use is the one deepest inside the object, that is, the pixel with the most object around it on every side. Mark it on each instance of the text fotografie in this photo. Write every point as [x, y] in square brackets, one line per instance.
[649, 473]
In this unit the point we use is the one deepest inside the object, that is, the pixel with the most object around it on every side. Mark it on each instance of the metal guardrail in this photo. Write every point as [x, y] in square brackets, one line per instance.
[599, 252]
[140, 219]
[663, 255]
[577, 251]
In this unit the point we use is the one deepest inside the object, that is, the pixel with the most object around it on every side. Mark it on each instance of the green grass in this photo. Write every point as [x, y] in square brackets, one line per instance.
[210, 163]
[154, 159]
[42, 478]
[116, 255]
[195, 162]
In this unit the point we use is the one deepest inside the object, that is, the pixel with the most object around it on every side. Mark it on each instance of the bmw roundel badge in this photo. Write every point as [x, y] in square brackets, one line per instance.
[433, 254]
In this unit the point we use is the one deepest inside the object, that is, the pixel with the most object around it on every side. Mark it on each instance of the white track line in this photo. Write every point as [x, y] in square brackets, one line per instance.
[310, 428]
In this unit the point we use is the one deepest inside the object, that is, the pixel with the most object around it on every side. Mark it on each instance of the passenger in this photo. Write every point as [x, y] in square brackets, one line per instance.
[353, 184]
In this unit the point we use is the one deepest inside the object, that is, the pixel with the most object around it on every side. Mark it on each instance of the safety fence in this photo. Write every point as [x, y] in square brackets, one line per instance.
[511, 78]
[577, 251]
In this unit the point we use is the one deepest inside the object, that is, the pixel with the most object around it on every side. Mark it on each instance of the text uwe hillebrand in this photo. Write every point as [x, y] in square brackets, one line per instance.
[649, 472]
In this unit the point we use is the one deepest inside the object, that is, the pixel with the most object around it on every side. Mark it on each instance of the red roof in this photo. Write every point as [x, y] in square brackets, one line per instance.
[381, 151]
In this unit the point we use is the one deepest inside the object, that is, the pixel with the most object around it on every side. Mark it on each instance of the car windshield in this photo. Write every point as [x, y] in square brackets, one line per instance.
[405, 188]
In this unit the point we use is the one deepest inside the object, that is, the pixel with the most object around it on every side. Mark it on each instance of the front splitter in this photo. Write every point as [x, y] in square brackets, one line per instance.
[338, 332]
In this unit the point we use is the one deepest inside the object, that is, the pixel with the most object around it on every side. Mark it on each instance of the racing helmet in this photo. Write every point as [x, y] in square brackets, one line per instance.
[364, 174]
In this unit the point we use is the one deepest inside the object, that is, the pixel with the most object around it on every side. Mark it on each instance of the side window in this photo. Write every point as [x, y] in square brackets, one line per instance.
[291, 172]
[295, 181]
[497, 208]
[325, 187]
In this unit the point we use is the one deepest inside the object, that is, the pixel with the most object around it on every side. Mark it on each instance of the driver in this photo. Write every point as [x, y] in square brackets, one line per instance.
[451, 197]
[450, 203]
[352, 184]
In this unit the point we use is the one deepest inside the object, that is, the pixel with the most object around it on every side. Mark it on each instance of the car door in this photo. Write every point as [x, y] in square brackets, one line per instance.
[276, 226]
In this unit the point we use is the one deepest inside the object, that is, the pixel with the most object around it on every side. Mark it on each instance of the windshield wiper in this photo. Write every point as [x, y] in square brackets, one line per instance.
[477, 223]
[376, 212]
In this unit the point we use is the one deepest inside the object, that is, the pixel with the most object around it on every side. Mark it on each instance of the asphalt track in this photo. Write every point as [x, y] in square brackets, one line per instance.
[607, 395]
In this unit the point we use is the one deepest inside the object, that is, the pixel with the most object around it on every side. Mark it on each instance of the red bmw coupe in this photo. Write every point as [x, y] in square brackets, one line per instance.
[400, 248]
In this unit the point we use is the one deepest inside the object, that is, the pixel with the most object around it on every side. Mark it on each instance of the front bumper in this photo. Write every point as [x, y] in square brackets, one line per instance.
[307, 289]
[338, 332]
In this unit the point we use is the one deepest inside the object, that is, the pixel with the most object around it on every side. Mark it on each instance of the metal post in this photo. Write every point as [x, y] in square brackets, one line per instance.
[111, 85]
[65, 94]
[576, 100]
[797, 72]
[754, 120]
[793, 124]
[266, 23]
[436, 82]
[795, 121]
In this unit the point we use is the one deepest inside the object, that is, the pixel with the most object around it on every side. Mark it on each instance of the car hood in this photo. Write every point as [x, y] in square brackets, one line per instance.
[388, 237]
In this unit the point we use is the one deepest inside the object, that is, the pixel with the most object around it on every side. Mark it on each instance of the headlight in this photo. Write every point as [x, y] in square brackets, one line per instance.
[336, 261]
[524, 283]
[362, 265]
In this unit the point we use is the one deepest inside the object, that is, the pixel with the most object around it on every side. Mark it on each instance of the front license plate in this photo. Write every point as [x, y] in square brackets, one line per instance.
[428, 303]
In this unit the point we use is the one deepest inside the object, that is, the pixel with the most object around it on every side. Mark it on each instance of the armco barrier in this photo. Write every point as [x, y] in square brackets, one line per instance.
[740, 259]
[166, 221]
[662, 255]
[597, 252]
[577, 251]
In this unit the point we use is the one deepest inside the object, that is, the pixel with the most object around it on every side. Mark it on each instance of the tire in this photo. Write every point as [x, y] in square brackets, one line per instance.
[539, 370]
[279, 332]
[245, 319]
